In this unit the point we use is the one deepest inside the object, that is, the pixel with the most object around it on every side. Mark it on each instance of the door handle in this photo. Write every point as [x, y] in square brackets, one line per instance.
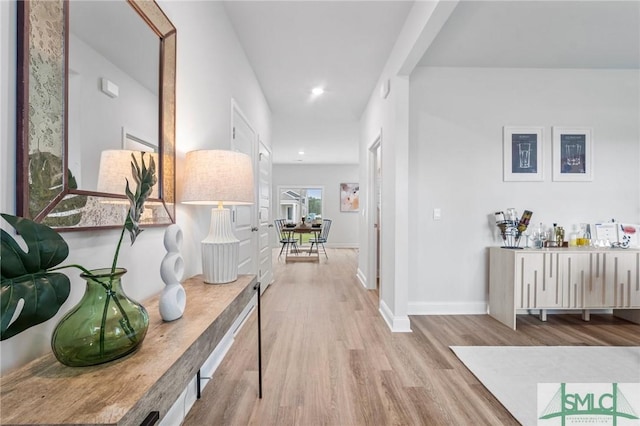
[271, 225]
[254, 229]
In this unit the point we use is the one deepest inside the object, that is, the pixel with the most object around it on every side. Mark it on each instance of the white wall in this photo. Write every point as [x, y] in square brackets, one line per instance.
[456, 116]
[212, 68]
[344, 228]
[389, 117]
[96, 120]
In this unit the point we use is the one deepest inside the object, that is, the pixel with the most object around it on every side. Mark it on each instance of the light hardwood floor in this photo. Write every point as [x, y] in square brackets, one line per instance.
[330, 359]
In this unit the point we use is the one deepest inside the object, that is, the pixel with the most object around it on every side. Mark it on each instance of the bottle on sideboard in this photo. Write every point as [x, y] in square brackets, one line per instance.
[524, 220]
[559, 236]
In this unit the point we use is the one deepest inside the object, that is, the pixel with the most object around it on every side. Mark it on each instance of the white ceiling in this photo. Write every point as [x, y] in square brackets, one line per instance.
[343, 46]
[539, 34]
[294, 46]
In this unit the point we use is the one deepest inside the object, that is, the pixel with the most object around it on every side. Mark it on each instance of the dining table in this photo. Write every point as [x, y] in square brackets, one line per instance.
[301, 253]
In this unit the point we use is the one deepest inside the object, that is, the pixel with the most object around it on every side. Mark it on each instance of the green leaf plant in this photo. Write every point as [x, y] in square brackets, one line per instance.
[32, 277]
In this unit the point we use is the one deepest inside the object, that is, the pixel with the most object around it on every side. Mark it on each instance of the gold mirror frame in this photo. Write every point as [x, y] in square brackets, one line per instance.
[46, 188]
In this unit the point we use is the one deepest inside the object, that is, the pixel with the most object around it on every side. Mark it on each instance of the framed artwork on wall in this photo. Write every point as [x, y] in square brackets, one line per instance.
[522, 150]
[349, 197]
[572, 154]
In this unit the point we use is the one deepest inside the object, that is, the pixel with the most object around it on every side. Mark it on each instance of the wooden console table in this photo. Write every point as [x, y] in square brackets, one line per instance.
[563, 278]
[140, 387]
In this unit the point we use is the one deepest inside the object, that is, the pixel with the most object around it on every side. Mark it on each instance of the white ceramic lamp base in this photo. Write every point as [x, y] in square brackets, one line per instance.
[220, 250]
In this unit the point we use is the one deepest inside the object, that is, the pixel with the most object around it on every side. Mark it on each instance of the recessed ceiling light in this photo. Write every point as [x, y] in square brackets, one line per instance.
[317, 91]
[300, 152]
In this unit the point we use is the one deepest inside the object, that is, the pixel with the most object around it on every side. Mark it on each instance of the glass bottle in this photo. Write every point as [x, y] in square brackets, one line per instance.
[559, 236]
[105, 325]
[524, 220]
[574, 236]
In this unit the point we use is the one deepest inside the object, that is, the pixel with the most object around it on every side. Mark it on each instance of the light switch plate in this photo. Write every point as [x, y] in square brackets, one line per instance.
[437, 214]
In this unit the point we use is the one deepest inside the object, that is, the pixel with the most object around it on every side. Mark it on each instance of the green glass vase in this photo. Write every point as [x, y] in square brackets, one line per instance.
[105, 325]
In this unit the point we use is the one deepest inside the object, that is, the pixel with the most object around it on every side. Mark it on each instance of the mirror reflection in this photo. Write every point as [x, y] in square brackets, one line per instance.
[103, 83]
[113, 86]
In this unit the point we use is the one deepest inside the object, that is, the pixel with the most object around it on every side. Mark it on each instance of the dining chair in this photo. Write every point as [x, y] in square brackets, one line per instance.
[285, 237]
[324, 235]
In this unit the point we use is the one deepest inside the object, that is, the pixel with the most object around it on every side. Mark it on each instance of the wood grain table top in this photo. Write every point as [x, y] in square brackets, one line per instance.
[125, 391]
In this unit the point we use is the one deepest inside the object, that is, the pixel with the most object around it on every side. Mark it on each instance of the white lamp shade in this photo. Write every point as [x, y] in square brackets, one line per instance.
[222, 178]
[115, 166]
[218, 177]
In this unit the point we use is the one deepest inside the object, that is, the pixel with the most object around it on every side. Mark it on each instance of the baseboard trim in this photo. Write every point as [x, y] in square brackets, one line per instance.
[448, 308]
[362, 278]
[397, 324]
[343, 245]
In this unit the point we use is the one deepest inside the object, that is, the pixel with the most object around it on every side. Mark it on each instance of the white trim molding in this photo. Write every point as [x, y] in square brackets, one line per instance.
[343, 245]
[399, 324]
[362, 278]
[448, 308]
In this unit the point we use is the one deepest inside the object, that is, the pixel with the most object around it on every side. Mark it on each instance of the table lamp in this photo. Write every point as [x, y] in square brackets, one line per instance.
[115, 166]
[222, 178]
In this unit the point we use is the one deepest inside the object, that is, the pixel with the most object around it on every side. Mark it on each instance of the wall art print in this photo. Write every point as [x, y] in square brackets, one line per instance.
[349, 197]
[522, 150]
[572, 152]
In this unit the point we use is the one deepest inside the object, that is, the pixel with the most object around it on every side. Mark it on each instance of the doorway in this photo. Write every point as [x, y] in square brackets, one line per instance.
[246, 218]
[374, 216]
[300, 203]
[265, 221]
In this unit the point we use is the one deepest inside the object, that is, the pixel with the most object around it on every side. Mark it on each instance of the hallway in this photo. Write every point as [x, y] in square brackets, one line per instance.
[329, 358]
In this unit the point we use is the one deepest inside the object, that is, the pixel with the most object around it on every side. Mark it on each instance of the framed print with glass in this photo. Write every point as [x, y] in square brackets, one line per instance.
[522, 150]
[572, 154]
[349, 197]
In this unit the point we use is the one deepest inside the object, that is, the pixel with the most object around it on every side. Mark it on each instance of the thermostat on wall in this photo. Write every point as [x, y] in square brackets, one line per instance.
[109, 88]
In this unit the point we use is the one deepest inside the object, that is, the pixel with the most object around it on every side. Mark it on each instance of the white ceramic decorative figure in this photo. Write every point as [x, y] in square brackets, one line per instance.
[173, 298]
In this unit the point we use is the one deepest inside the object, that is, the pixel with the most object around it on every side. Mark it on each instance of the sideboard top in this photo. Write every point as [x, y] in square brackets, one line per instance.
[568, 250]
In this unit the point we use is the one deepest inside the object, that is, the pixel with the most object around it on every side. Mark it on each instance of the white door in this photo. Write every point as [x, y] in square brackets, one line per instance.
[374, 218]
[244, 139]
[265, 220]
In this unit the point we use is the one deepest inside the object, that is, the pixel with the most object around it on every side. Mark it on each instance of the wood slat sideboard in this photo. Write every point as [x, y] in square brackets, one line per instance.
[126, 391]
[574, 278]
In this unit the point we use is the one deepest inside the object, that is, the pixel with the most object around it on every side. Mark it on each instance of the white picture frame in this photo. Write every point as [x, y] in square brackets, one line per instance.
[572, 154]
[523, 153]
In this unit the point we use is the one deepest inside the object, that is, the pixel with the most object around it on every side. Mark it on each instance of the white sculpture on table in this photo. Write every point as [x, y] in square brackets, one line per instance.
[173, 298]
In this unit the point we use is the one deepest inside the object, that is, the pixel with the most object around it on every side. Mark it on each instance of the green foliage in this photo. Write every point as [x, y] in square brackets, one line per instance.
[30, 276]
[145, 179]
[315, 205]
[45, 174]
[26, 276]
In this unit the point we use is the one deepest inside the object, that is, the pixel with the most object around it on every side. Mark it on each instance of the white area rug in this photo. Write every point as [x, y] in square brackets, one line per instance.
[512, 373]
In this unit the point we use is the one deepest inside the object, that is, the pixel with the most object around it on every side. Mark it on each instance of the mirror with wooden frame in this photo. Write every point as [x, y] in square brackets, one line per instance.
[96, 80]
